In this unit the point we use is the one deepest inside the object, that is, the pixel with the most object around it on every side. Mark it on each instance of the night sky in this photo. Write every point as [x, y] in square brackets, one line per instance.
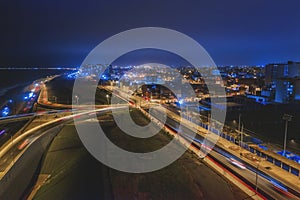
[61, 33]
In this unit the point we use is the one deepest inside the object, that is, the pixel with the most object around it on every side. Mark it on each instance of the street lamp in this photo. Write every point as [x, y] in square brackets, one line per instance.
[76, 99]
[240, 122]
[107, 97]
[241, 135]
[287, 119]
[256, 177]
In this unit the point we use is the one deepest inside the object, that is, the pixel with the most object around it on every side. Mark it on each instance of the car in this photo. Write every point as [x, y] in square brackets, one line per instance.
[236, 163]
[2, 132]
[25, 142]
[280, 188]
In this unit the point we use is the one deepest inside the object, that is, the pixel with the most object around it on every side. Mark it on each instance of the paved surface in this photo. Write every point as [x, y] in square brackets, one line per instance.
[248, 174]
[74, 174]
[282, 175]
[266, 183]
[9, 155]
[10, 129]
[237, 152]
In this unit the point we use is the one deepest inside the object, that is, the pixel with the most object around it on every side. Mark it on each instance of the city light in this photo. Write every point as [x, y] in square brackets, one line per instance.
[5, 111]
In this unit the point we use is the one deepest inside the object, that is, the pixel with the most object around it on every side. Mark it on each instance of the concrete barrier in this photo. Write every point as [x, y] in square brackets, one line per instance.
[19, 176]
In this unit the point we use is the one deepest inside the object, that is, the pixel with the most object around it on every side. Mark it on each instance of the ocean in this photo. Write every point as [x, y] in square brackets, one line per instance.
[12, 81]
[12, 77]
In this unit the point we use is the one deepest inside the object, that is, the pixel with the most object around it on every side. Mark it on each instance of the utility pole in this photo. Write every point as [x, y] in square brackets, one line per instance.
[256, 177]
[242, 135]
[287, 119]
[107, 97]
[239, 121]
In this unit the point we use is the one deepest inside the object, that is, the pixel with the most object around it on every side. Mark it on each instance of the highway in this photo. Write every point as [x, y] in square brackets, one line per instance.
[10, 125]
[14, 149]
[172, 181]
[11, 152]
[8, 128]
[248, 175]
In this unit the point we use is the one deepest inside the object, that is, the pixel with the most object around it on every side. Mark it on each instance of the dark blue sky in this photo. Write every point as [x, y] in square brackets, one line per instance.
[61, 33]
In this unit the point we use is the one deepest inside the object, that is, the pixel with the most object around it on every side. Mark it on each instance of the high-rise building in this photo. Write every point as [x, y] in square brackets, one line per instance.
[284, 81]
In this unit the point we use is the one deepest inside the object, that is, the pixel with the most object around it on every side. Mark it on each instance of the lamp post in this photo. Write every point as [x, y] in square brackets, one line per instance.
[240, 122]
[107, 97]
[287, 119]
[241, 135]
[77, 99]
[256, 177]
